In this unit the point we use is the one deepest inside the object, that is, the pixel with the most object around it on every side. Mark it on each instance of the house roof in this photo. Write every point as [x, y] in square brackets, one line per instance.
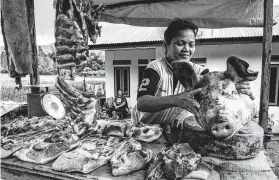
[119, 34]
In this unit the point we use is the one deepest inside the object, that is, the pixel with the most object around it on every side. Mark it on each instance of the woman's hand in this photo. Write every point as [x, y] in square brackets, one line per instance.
[186, 101]
[244, 88]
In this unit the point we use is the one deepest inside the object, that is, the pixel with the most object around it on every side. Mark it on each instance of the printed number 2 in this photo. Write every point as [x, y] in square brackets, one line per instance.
[144, 83]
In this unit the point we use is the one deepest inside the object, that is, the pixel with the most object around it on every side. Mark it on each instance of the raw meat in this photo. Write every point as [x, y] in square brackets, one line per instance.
[223, 110]
[91, 154]
[129, 157]
[48, 149]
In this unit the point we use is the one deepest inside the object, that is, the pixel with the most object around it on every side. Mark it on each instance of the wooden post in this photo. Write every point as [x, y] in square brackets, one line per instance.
[266, 53]
[34, 78]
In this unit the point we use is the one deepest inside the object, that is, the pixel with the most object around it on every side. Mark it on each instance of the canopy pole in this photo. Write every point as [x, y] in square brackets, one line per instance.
[266, 54]
[34, 78]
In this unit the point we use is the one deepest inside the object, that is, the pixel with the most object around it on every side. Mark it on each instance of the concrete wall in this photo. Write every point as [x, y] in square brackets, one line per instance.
[128, 54]
[216, 56]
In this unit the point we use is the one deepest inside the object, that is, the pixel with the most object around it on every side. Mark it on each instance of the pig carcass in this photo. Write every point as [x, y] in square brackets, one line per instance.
[226, 115]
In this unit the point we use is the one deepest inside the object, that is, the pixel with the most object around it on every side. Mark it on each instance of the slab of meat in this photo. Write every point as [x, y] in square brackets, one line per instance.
[129, 157]
[145, 133]
[17, 36]
[91, 154]
[174, 162]
[81, 106]
[223, 110]
[115, 128]
[10, 146]
[47, 149]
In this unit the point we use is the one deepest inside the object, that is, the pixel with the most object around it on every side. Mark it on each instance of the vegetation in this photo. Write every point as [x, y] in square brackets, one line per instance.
[9, 92]
[47, 66]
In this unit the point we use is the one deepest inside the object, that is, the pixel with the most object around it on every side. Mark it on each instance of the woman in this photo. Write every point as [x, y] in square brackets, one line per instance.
[161, 97]
[120, 103]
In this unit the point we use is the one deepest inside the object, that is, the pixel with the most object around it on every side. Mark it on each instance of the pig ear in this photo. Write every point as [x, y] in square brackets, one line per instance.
[237, 70]
[185, 73]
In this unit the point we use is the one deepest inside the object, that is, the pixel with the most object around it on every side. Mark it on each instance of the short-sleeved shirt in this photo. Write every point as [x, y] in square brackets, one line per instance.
[158, 80]
[119, 100]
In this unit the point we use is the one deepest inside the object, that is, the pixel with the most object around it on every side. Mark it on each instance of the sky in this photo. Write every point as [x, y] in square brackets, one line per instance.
[44, 21]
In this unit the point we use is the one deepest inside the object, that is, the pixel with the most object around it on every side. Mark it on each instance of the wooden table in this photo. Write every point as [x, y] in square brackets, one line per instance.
[14, 169]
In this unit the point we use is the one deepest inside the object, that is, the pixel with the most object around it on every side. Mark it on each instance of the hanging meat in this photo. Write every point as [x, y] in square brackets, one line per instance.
[81, 107]
[76, 20]
[18, 36]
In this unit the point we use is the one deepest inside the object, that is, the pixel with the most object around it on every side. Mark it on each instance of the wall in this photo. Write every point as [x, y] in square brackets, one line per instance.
[128, 54]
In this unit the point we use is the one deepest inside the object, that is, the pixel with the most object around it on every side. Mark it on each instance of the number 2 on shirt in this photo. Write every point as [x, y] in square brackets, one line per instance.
[144, 84]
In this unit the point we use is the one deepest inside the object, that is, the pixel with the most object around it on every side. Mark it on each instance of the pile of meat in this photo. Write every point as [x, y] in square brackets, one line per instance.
[174, 162]
[40, 140]
[37, 140]
[144, 133]
[125, 156]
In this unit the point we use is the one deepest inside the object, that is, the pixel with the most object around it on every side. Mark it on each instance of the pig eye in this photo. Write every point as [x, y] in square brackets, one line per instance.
[145, 130]
[234, 92]
[236, 116]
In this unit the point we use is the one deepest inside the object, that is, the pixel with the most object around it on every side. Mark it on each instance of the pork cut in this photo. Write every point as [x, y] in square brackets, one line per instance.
[91, 154]
[9, 147]
[47, 149]
[145, 133]
[129, 157]
[174, 162]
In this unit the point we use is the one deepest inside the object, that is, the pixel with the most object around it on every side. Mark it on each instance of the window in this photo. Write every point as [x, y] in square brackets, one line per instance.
[274, 85]
[122, 80]
[200, 61]
[121, 62]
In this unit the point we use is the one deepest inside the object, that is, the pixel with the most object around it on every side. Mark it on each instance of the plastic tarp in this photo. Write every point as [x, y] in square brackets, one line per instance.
[204, 13]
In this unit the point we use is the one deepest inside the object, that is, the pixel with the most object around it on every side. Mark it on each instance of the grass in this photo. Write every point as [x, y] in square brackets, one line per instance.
[9, 93]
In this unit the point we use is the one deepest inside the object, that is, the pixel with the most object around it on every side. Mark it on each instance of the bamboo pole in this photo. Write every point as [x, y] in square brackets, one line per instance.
[266, 54]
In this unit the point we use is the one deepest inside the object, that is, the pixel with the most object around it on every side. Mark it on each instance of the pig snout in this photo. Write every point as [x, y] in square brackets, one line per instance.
[222, 130]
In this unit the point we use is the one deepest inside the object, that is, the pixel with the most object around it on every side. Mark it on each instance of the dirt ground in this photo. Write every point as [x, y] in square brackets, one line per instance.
[273, 152]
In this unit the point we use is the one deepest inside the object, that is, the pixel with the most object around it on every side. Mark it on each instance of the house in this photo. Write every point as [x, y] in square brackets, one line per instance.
[128, 50]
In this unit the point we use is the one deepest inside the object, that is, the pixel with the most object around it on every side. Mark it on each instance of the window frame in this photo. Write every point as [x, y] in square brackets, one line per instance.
[122, 68]
[276, 102]
[199, 60]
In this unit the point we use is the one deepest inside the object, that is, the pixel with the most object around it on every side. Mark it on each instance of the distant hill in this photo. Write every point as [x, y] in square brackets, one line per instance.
[46, 48]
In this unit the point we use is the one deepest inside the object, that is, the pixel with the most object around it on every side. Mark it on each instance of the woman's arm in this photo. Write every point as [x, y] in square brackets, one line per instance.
[114, 105]
[123, 104]
[185, 100]
[148, 103]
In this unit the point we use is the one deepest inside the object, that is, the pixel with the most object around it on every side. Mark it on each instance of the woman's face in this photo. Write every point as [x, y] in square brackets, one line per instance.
[182, 46]
[120, 92]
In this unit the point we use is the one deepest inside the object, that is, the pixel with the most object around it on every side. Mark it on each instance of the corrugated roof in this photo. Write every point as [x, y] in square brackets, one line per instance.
[122, 34]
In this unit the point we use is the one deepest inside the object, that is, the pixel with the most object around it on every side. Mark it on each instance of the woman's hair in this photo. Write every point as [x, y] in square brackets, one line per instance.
[177, 25]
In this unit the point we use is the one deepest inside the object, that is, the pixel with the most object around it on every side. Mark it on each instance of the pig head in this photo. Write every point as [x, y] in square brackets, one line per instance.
[223, 109]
